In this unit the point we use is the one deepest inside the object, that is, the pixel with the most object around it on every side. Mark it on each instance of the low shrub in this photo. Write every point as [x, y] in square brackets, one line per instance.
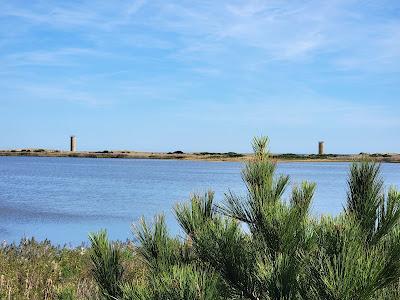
[233, 154]
[176, 152]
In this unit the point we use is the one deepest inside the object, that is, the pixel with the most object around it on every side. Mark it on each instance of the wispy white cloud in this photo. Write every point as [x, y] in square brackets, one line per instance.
[208, 38]
[281, 30]
[59, 57]
[379, 53]
[88, 14]
[61, 93]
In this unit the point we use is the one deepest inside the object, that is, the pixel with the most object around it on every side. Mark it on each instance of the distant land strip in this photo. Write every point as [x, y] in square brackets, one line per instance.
[198, 156]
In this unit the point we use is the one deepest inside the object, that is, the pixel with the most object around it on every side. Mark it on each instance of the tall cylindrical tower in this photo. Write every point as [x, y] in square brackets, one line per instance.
[321, 148]
[73, 143]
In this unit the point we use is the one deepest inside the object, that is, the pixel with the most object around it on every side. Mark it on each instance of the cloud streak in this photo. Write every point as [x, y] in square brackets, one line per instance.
[281, 30]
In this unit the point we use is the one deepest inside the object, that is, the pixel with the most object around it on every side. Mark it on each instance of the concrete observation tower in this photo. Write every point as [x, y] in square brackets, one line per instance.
[321, 146]
[73, 143]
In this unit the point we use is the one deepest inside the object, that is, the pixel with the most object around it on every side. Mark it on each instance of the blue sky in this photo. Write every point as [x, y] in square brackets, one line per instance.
[162, 75]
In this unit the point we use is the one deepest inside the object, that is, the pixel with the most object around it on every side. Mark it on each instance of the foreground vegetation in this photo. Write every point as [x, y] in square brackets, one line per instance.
[38, 270]
[256, 246]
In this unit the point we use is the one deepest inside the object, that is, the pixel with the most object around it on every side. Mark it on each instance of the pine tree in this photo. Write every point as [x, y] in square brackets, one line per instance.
[261, 246]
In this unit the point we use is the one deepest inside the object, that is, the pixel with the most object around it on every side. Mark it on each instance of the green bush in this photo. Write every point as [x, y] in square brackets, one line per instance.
[259, 246]
[106, 265]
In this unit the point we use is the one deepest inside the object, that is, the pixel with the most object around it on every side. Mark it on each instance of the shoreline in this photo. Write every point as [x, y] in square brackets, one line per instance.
[203, 156]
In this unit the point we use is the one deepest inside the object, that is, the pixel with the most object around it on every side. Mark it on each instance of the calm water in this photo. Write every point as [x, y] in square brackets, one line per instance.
[63, 199]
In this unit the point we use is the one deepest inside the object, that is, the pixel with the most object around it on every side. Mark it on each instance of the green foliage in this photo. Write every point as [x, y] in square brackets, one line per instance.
[107, 267]
[157, 249]
[261, 246]
[66, 294]
[174, 272]
[269, 260]
[192, 216]
[177, 283]
[376, 213]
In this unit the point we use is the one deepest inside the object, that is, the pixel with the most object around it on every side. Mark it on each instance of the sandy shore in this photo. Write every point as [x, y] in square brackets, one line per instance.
[201, 156]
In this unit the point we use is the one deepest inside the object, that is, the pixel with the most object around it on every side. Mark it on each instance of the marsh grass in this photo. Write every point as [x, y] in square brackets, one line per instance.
[40, 270]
